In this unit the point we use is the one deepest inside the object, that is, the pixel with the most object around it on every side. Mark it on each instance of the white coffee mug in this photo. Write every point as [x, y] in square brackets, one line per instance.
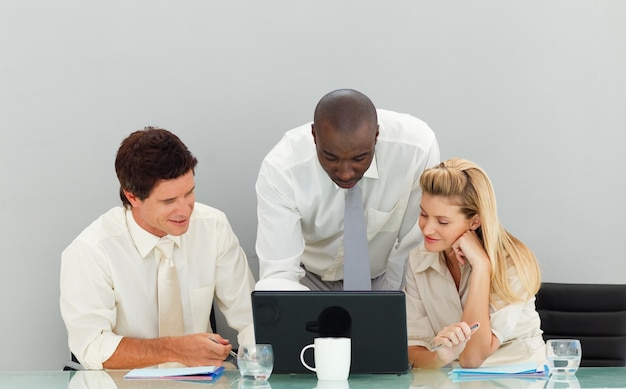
[332, 358]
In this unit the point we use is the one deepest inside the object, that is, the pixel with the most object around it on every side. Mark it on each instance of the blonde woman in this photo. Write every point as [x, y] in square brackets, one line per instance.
[470, 272]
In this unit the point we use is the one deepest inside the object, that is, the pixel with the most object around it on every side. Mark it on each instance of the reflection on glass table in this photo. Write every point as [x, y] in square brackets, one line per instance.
[563, 381]
[585, 377]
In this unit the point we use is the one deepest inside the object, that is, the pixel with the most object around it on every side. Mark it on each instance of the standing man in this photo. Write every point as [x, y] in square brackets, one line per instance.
[304, 181]
[138, 284]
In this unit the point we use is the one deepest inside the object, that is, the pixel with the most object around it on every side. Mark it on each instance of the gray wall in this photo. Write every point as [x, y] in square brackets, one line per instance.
[534, 91]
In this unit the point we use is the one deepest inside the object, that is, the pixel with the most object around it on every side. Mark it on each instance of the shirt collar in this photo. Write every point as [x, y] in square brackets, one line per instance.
[144, 241]
[430, 259]
[371, 172]
[436, 261]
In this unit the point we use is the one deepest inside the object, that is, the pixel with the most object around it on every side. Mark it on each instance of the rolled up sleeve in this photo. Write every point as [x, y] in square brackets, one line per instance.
[87, 302]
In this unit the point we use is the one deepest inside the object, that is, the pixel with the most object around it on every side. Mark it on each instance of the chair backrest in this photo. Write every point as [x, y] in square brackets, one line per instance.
[593, 313]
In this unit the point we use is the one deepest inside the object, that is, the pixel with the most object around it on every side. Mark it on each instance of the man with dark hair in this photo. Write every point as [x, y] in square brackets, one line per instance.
[303, 186]
[138, 284]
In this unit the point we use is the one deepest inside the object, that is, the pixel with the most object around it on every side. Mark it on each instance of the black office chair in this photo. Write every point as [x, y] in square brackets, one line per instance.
[593, 313]
[74, 365]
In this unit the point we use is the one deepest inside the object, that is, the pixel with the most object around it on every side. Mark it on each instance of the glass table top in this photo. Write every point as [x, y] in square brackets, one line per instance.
[586, 377]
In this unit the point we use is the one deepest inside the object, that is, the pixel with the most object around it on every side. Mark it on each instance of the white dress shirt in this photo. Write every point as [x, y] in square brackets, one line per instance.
[434, 302]
[109, 282]
[300, 209]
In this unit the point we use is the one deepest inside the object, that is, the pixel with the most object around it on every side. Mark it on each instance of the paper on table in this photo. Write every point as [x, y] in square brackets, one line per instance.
[518, 370]
[182, 373]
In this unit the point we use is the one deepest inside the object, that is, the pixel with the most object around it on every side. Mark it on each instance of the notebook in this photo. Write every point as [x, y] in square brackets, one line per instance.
[199, 373]
[374, 320]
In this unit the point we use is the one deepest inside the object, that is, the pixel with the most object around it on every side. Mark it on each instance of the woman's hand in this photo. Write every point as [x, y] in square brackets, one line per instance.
[469, 249]
[452, 340]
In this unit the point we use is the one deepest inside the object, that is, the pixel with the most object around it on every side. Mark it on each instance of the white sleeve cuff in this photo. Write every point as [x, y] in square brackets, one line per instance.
[278, 284]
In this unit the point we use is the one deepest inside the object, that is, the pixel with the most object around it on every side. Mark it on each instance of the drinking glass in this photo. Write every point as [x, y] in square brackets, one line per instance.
[563, 355]
[255, 361]
[252, 384]
[558, 381]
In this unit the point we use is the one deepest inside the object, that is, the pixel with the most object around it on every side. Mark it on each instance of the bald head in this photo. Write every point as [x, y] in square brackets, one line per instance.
[345, 110]
[345, 130]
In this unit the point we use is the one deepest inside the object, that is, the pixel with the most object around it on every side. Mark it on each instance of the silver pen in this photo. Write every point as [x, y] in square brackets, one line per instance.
[440, 345]
[231, 352]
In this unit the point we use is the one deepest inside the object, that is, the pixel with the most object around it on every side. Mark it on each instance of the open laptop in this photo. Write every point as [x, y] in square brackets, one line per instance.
[374, 320]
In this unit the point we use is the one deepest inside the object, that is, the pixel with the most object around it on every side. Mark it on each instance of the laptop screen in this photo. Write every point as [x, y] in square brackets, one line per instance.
[374, 320]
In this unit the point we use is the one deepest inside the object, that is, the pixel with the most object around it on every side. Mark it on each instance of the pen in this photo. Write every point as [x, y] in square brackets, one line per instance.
[231, 352]
[440, 345]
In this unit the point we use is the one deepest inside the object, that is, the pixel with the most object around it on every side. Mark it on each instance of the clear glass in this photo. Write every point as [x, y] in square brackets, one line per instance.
[255, 361]
[562, 381]
[563, 355]
[253, 384]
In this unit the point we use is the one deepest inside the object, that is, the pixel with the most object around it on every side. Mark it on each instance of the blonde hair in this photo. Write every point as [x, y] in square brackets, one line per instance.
[468, 185]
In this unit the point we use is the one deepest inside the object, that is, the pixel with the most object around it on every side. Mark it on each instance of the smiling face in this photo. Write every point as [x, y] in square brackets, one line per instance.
[442, 222]
[345, 155]
[168, 207]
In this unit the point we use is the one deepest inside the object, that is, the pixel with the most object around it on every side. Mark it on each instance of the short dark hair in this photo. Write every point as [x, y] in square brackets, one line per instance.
[147, 156]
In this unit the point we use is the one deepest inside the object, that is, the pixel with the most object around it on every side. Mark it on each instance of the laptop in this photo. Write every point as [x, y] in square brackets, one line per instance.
[374, 320]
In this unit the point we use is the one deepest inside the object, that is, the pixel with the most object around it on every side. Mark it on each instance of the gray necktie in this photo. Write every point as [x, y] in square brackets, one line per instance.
[356, 263]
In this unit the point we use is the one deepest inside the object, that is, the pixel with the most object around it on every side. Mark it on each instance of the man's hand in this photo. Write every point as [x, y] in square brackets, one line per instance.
[200, 350]
[190, 350]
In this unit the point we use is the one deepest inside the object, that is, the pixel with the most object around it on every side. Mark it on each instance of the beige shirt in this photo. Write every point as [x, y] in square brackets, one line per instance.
[434, 302]
[109, 278]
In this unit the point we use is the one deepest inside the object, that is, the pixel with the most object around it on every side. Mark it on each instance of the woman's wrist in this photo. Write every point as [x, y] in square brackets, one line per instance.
[442, 361]
[481, 267]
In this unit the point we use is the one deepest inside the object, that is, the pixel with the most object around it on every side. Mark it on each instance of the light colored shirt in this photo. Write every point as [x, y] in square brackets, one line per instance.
[300, 209]
[109, 282]
[434, 302]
